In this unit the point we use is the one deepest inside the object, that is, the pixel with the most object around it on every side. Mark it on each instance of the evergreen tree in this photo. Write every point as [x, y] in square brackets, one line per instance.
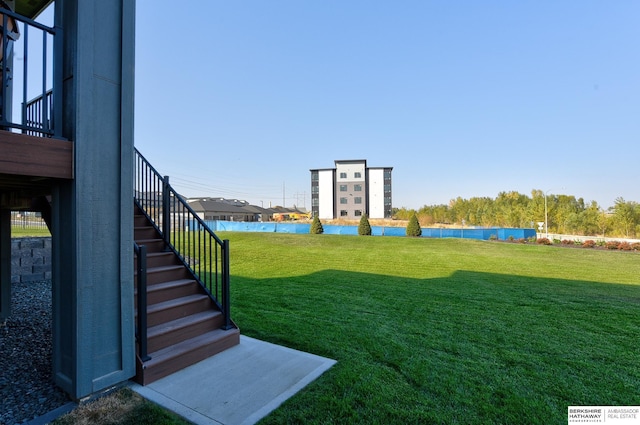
[316, 226]
[413, 228]
[364, 228]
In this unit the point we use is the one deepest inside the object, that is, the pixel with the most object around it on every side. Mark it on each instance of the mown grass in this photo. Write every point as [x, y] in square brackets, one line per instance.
[442, 331]
[19, 232]
[123, 407]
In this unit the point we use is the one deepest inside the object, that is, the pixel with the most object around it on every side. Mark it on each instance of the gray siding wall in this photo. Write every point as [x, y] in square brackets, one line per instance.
[92, 216]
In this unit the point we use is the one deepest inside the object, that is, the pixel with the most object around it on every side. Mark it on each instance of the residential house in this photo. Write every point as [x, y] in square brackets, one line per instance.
[225, 209]
[237, 210]
[67, 151]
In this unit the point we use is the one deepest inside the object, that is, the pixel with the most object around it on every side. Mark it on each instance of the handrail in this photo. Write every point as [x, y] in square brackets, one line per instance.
[185, 233]
[39, 117]
[141, 281]
[37, 113]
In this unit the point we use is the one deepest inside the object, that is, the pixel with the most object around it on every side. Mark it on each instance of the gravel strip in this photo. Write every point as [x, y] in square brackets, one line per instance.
[27, 390]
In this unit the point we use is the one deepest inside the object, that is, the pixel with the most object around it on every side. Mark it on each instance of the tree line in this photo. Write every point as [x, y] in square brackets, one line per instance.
[564, 214]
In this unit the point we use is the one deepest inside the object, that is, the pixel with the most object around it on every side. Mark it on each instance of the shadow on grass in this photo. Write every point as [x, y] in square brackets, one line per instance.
[467, 348]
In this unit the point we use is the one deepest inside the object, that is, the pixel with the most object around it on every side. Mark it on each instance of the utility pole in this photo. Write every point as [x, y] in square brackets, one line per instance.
[302, 195]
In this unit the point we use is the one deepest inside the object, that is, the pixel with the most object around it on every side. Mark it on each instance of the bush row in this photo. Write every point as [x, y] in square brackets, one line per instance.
[613, 245]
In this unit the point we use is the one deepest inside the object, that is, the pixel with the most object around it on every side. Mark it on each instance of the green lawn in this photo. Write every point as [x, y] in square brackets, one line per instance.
[19, 232]
[122, 407]
[442, 331]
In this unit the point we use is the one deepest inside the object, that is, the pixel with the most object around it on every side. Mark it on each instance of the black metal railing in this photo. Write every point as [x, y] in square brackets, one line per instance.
[37, 115]
[141, 283]
[185, 233]
[40, 116]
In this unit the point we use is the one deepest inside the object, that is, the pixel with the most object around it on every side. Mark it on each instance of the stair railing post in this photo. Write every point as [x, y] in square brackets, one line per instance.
[142, 303]
[58, 74]
[166, 210]
[225, 285]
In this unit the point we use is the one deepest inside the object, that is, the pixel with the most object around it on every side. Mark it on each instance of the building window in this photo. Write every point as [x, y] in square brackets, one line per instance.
[343, 213]
[387, 175]
[315, 202]
[358, 213]
[387, 188]
[357, 175]
[315, 189]
[357, 200]
[387, 200]
[357, 188]
[314, 176]
[343, 175]
[343, 200]
[343, 188]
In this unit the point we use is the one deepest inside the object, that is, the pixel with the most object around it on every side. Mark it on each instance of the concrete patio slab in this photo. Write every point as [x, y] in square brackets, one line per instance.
[238, 386]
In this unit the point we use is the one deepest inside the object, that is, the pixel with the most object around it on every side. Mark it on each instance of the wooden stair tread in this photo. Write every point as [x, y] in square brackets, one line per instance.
[182, 323]
[146, 241]
[161, 254]
[170, 284]
[176, 302]
[159, 269]
[159, 257]
[177, 350]
[167, 285]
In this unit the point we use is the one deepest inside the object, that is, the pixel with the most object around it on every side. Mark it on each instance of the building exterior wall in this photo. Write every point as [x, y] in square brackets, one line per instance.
[388, 206]
[350, 190]
[351, 171]
[325, 194]
[376, 193]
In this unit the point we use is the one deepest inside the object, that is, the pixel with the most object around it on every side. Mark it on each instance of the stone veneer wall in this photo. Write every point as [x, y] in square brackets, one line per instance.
[30, 259]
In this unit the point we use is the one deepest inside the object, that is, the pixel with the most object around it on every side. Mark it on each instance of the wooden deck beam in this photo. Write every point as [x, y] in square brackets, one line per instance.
[35, 156]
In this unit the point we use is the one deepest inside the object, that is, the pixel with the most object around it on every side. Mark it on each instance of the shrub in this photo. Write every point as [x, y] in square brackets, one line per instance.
[493, 237]
[556, 241]
[522, 240]
[612, 245]
[624, 246]
[413, 227]
[567, 242]
[364, 228]
[636, 246]
[544, 241]
[589, 244]
[511, 238]
[316, 226]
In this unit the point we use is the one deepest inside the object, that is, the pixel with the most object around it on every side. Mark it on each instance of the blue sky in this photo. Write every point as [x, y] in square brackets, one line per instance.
[240, 99]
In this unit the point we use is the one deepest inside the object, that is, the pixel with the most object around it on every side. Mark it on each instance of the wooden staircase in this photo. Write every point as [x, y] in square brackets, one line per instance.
[184, 325]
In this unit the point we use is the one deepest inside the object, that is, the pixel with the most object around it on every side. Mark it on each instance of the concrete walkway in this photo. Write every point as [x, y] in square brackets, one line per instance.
[238, 386]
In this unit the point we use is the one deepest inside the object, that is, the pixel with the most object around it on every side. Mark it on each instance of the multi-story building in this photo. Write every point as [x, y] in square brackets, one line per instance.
[350, 190]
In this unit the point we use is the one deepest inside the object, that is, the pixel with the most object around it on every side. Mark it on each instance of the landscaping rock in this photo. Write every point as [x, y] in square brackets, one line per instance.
[26, 385]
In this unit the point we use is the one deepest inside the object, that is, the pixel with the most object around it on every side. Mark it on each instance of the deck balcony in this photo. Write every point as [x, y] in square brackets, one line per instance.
[33, 152]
